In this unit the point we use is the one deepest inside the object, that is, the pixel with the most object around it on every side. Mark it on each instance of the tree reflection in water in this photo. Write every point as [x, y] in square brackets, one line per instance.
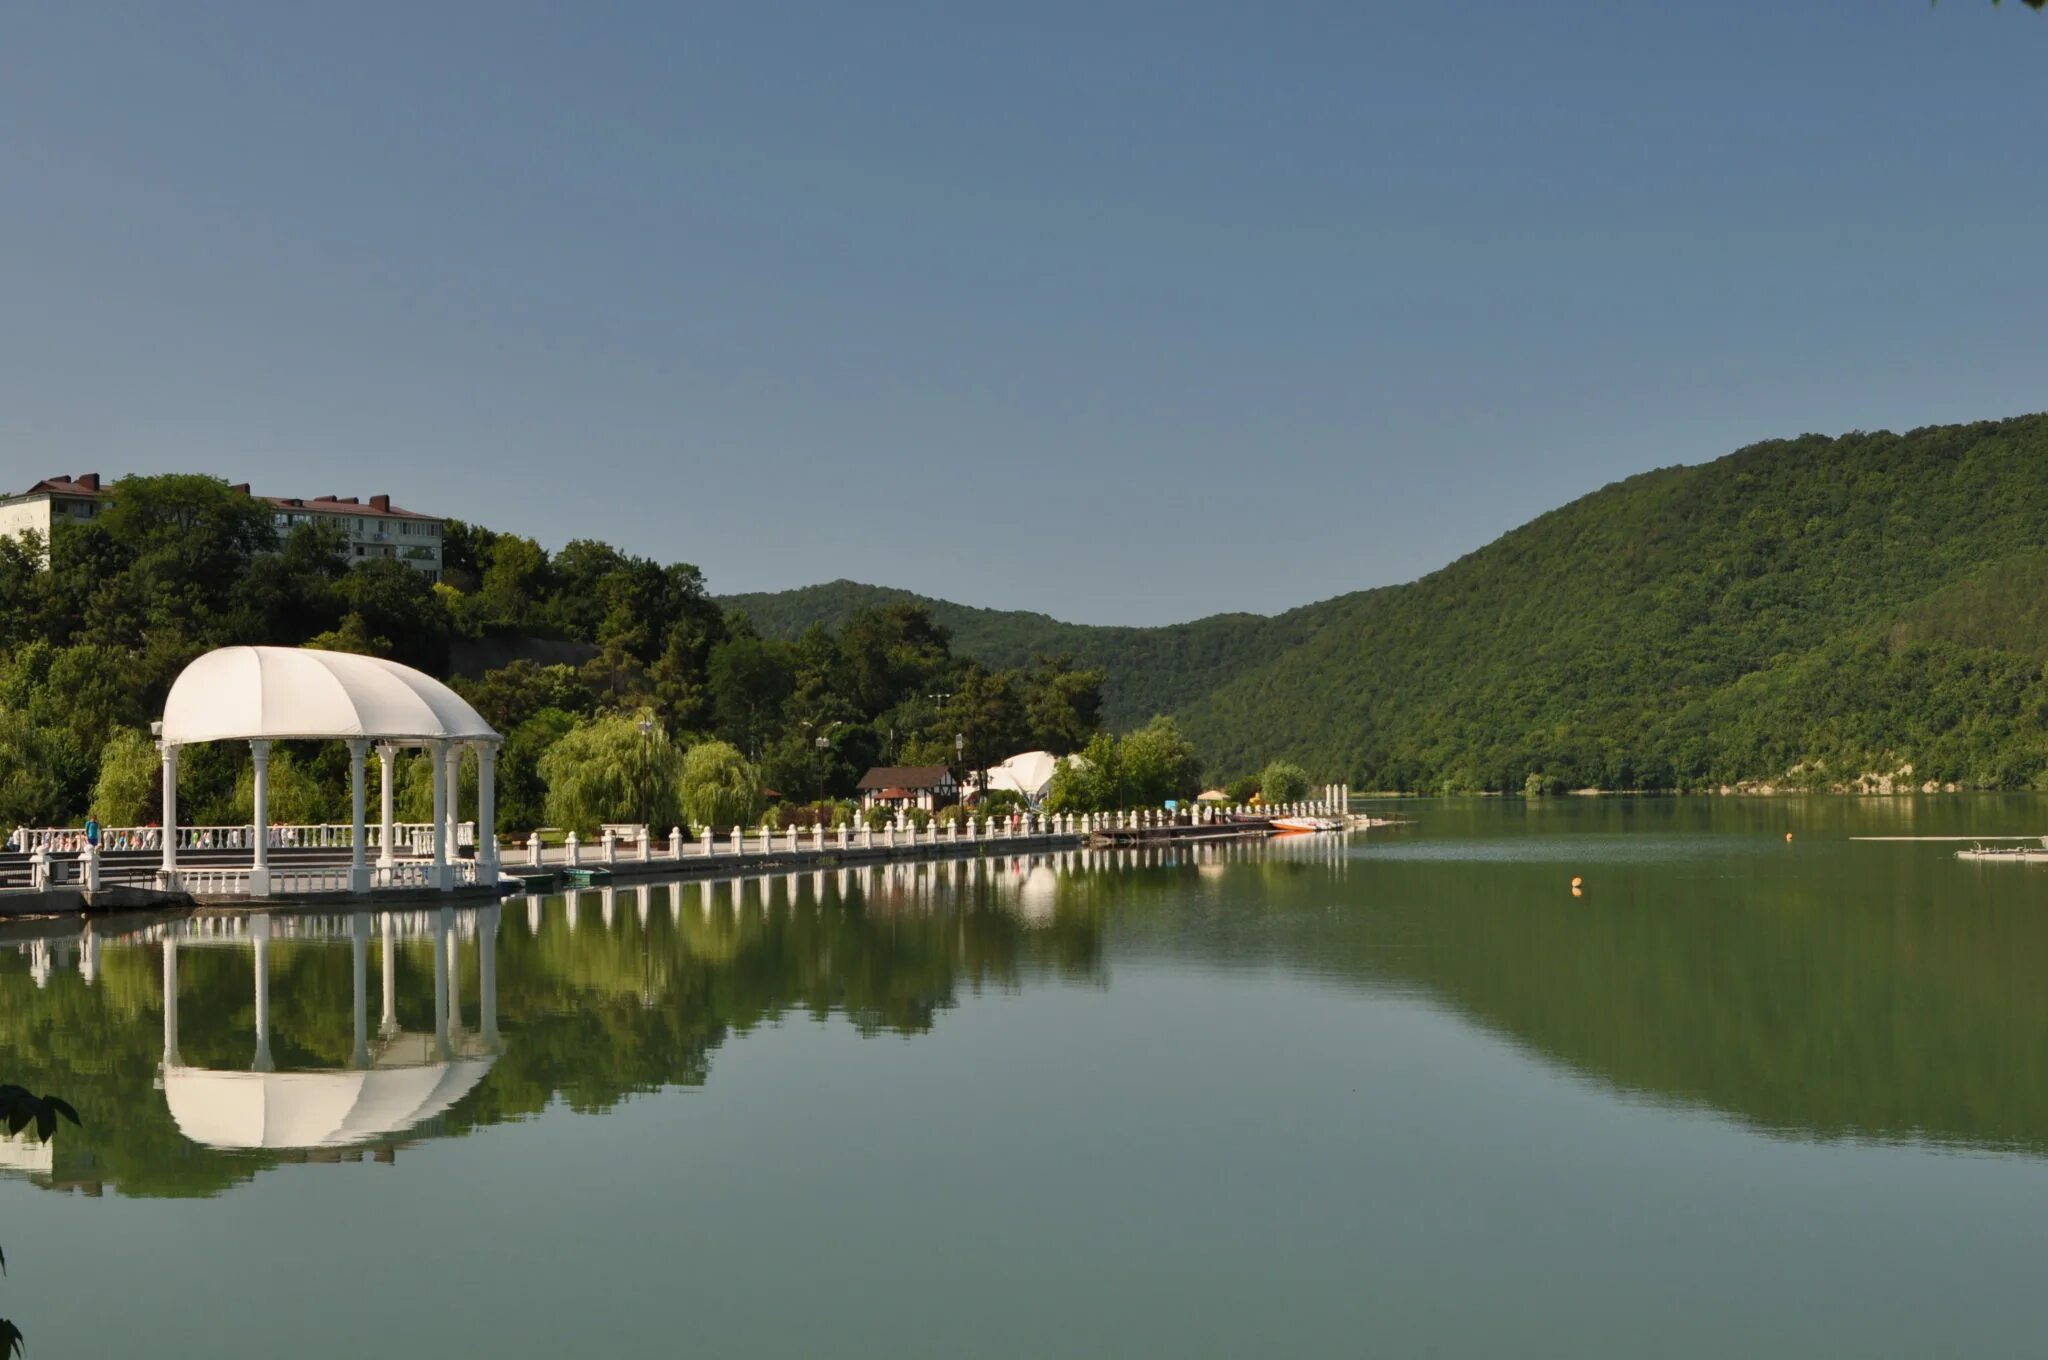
[1867, 995]
[267, 1052]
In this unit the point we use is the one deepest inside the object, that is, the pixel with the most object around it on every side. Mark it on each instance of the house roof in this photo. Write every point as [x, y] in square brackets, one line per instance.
[905, 777]
[88, 484]
[378, 506]
[84, 484]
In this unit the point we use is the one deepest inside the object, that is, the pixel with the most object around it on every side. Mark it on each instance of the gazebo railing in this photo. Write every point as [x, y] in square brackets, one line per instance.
[213, 882]
[325, 878]
[221, 881]
[409, 837]
[406, 874]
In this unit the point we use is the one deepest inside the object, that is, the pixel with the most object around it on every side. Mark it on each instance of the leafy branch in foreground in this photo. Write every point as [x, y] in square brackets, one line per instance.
[20, 1108]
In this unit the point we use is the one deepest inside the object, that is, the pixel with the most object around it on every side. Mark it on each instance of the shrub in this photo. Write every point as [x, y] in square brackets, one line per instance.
[1000, 803]
[1281, 782]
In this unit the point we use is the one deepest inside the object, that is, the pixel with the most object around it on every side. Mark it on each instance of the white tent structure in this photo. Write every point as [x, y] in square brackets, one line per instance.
[266, 694]
[1028, 775]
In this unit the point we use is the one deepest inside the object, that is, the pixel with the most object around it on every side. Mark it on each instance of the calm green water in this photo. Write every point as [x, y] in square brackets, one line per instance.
[1400, 1095]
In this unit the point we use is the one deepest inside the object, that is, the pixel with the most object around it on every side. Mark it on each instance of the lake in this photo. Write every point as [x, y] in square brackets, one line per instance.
[1400, 1093]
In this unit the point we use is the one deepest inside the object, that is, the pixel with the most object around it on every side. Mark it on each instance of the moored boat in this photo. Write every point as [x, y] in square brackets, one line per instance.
[1297, 826]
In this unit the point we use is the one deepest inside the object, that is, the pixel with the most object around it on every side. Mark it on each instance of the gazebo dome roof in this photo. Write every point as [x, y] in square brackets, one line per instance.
[313, 1109]
[279, 693]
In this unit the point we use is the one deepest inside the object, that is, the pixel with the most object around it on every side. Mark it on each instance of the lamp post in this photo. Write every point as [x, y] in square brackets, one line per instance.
[646, 767]
[960, 756]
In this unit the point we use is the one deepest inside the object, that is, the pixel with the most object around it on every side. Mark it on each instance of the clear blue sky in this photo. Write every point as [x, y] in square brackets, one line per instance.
[1124, 312]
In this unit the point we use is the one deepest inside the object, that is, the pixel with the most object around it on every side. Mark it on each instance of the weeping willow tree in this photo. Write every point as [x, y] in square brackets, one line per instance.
[614, 768]
[719, 787]
[129, 787]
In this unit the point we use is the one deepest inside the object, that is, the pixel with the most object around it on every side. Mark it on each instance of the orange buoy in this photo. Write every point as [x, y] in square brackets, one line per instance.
[1577, 881]
[1788, 835]
[1578, 892]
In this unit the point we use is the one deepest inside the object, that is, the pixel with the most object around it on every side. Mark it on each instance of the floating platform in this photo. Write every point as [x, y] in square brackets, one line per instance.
[1125, 836]
[2006, 854]
[76, 901]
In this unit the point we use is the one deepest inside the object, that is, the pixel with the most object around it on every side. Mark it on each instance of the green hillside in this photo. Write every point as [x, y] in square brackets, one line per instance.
[1151, 670]
[1800, 611]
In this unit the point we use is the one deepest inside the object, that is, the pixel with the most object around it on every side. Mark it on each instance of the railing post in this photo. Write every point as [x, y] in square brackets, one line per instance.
[533, 850]
[575, 848]
[675, 842]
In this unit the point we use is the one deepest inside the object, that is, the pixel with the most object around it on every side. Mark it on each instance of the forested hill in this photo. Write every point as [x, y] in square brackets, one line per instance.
[1149, 670]
[1802, 611]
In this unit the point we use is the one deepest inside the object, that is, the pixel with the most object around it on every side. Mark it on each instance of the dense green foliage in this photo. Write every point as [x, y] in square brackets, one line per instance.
[572, 647]
[1146, 768]
[1283, 782]
[1803, 613]
[1147, 670]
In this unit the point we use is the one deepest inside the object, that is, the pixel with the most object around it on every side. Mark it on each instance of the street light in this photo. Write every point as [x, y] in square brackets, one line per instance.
[646, 769]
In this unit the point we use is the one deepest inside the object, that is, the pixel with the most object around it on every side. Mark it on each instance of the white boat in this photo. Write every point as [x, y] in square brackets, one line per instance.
[1295, 826]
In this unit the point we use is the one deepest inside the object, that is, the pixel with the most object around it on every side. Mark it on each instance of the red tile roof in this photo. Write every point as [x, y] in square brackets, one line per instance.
[379, 506]
[88, 484]
[84, 484]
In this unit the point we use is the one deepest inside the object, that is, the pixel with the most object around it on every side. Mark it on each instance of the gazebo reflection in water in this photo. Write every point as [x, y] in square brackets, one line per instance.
[395, 1080]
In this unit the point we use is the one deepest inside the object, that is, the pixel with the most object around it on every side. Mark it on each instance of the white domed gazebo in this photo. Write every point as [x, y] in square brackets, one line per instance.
[266, 694]
[395, 1081]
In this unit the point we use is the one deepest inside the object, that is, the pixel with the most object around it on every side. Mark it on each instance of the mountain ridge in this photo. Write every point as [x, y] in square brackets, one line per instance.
[1812, 607]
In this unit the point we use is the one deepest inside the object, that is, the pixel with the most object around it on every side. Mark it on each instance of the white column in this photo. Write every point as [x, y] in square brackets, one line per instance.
[487, 973]
[359, 960]
[259, 863]
[440, 876]
[358, 865]
[487, 812]
[170, 860]
[441, 932]
[454, 975]
[387, 757]
[259, 930]
[451, 752]
[171, 995]
[388, 1025]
